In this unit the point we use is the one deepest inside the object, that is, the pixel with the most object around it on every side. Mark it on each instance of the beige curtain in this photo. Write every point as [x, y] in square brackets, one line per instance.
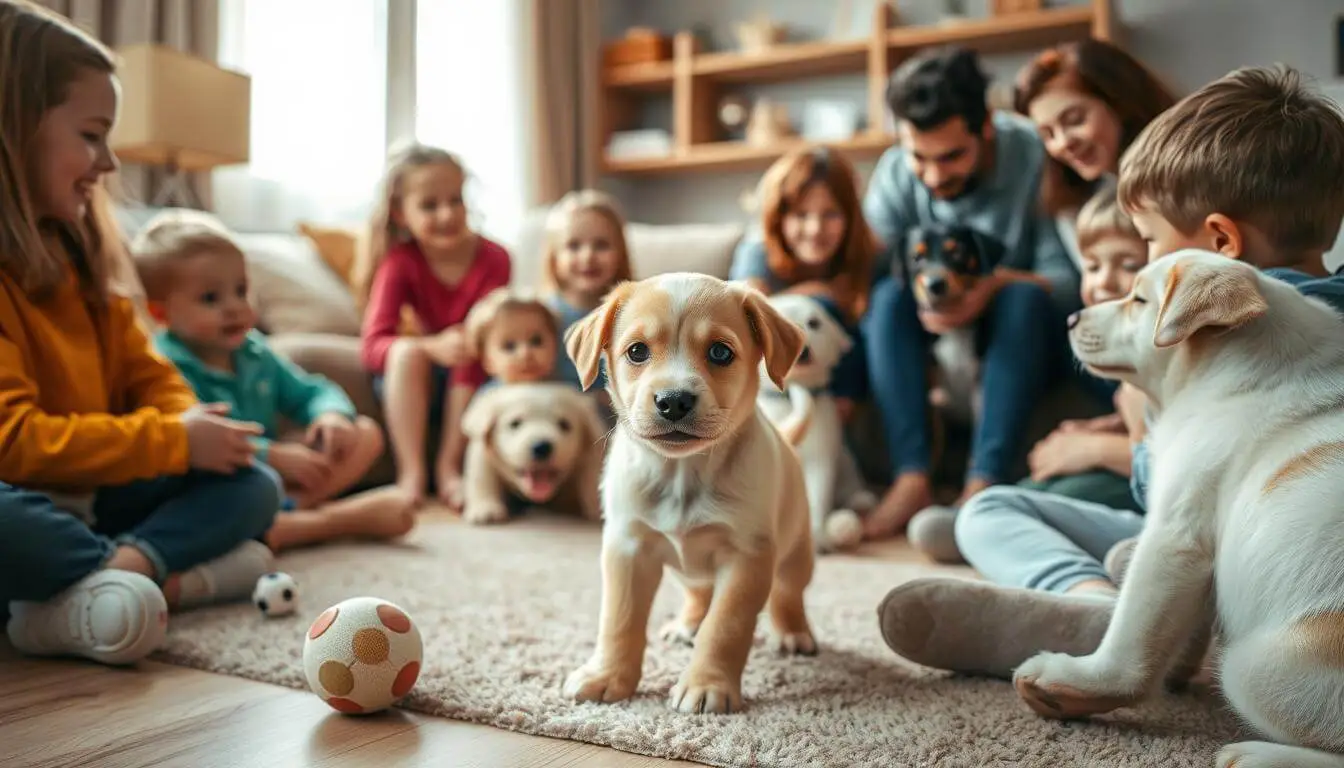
[567, 44]
[188, 25]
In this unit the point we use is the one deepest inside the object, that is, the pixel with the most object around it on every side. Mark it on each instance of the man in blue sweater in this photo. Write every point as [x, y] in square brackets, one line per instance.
[956, 163]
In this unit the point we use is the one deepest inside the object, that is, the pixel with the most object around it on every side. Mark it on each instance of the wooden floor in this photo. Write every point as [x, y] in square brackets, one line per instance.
[56, 713]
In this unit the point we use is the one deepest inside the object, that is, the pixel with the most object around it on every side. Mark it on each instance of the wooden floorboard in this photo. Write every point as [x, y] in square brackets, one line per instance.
[57, 714]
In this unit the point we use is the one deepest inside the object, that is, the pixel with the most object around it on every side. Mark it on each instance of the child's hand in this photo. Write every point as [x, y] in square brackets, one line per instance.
[448, 347]
[844, 407]
[333, 435]
[216, 443]
[299, 466]
[1061, 454]
[1110, 423]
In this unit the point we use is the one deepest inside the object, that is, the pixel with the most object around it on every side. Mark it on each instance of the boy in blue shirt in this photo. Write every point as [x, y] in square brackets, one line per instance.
[1248, 166]
[195, 278]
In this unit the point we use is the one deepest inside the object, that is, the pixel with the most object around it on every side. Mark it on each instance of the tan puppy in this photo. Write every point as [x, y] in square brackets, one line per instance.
[537, 443]
[696, 479]
[1245, 505]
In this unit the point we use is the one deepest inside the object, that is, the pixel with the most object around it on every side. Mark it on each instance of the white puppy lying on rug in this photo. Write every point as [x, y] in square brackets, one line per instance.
[537, 444]
[835, 492]
[1246, 502]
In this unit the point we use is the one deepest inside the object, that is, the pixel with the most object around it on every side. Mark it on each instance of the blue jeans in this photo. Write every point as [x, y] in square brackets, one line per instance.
[1024, 344]
[1018, 537]
[178, 522]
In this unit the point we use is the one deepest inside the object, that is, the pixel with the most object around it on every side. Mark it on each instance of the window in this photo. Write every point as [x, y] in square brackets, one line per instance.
[318, 122]
[472, 99]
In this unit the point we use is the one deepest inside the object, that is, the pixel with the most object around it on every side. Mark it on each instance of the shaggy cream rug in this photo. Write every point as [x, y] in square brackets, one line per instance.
[507, 612]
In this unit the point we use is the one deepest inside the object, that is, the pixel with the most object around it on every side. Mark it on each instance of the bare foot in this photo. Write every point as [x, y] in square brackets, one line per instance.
[972, 487]
[909, 494]
[382, 513]
[412, 487]
[451, 493]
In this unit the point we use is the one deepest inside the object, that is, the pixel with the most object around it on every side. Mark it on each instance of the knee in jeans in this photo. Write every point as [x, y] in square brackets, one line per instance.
[257, 492]
[1024, 300]
[972, 515]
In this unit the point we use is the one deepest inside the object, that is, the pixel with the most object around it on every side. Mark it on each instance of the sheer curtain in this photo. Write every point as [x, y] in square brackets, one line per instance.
[473, 98]
[319, 96]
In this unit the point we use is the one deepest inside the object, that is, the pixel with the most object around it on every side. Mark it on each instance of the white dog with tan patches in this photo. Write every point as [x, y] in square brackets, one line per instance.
[1246, 502]
[696, 479]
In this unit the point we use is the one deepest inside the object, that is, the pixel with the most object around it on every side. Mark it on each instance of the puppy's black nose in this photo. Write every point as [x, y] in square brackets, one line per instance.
[674, 404]
[1074, 318]
[936, 286]
[805, 356]
[542, 450]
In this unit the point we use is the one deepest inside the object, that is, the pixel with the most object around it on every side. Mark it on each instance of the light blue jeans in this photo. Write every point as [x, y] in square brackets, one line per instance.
[1019, 537]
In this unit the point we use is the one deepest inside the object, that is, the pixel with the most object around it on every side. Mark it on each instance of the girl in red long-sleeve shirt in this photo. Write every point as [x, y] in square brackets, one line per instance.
[422, 255]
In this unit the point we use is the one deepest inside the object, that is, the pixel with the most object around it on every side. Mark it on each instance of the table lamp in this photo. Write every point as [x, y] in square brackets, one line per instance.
[180, 112]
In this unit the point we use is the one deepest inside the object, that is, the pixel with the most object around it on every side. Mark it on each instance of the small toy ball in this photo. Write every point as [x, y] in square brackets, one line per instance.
[362, 655]
[844, 529]
[276, 594]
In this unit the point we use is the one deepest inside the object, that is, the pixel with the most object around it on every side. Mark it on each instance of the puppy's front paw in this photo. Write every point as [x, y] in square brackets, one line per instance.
[795, 643]
[597, 682]
[678, 632]
[706, 693]
[485, 512]
[1256, 754]
[1060, 686]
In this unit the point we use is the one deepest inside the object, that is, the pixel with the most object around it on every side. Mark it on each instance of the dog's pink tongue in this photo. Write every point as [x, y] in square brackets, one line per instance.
[539, 486]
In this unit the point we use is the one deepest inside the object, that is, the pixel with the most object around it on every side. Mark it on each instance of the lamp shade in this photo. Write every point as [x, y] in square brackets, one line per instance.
[180, 110]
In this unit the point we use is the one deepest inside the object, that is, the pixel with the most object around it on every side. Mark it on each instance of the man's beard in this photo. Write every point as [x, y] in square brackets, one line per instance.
[961, 188]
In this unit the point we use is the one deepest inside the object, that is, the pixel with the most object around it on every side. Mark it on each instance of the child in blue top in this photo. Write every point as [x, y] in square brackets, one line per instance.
[585, 257]
[1247, 167]
[815, 241]
[195, 277]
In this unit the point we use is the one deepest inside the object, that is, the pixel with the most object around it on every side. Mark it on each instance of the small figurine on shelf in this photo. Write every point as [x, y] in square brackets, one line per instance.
[734, 111]
[759, 34]
[1001, 7]
[769, 123]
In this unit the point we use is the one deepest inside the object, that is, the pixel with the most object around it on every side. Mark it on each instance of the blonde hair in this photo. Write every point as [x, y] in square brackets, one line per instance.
[41, 54]
[782, 187]
[1103, 216]
[487, 310]
[169, 239]
[1256, 146]
[557, 224]
[383, 232]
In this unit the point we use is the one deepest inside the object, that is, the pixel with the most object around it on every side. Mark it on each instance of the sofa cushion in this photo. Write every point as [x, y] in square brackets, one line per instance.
[293, 289]
[336, 246]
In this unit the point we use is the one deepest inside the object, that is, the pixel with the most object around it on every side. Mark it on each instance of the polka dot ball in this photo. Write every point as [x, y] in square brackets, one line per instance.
[362, 655]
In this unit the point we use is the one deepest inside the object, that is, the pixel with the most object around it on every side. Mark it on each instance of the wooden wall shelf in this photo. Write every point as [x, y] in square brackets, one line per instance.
[695, 80]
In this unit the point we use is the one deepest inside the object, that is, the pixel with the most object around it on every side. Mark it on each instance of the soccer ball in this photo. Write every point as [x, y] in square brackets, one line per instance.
[276, 594]
[362, 655]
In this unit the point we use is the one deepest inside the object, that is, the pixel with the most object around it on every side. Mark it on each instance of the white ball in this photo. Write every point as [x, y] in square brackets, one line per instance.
[362, 655]
[844, 529]
[276, 594]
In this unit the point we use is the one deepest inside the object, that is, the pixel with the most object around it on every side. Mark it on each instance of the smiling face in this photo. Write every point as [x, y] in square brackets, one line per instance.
[537, 435]
[1110, 265]
[431, 207]
[683, 351]
[1177, 313]
[814, 227]
[208, 306]
[588, 257]
[71, 147]
[1078, 129]
[947, 158]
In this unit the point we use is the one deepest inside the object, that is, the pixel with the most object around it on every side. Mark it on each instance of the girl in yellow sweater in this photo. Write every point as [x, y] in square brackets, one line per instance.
[120, 495]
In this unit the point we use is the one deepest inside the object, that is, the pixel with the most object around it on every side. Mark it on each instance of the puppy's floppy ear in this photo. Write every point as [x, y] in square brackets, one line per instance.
[780, 339]
[586, 339]
[1201, 295]
[479, 417]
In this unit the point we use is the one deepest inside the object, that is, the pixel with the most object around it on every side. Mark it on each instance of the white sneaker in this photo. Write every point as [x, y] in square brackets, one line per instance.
[111, 616]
